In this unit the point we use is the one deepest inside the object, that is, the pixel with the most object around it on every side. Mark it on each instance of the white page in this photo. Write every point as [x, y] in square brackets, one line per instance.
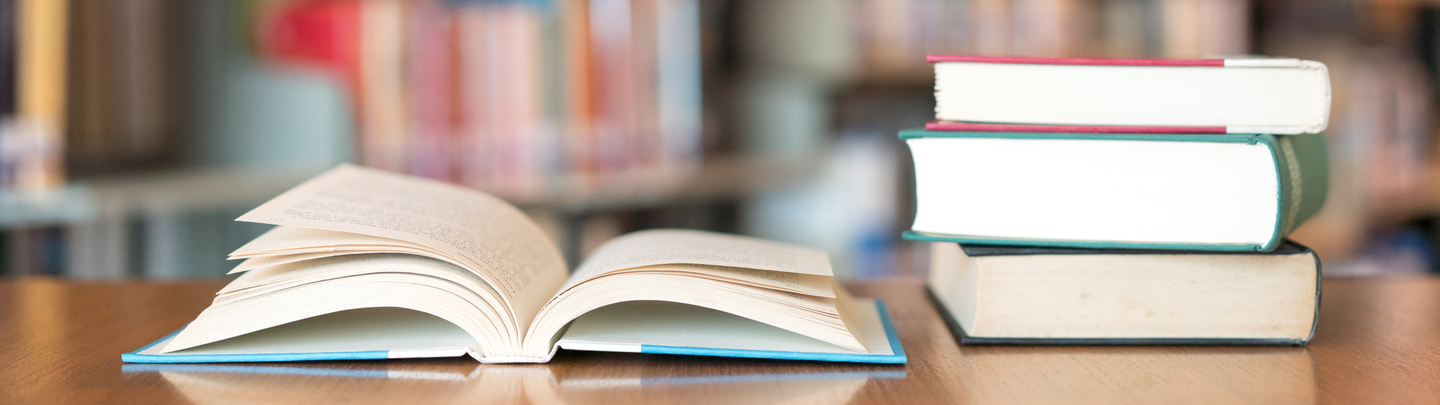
[676, 246]
[482, 232]
[819, 286]
[288, 244]
[283, 239]
[324, 268]
[402, 281]
[267, 261]
[1096, 190]
[671, 324]
[348, 331]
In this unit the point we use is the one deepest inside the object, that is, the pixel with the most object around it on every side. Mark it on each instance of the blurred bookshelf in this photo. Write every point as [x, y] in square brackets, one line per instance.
[598, 117]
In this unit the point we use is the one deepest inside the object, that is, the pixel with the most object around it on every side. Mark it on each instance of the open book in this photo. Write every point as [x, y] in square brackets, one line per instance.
[366, 264]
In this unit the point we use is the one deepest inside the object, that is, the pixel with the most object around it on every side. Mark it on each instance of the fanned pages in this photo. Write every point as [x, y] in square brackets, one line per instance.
[1040, 295]
[370, 252]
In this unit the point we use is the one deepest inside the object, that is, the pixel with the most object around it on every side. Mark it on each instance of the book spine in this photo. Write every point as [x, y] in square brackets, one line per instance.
[41, 66]
[1081, 244]
[678, 48]
[1304, 168]
[8, 26]
[381, 96]
[1078, 61]
[475, 142]
[429, 82]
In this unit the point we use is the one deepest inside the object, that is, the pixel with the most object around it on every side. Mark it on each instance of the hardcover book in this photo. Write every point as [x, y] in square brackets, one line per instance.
[1223, 192]
[1028, 295]
[1241, 95]
[366, 264]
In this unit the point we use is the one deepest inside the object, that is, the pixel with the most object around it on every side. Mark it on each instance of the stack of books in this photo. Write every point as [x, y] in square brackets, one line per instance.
[1099, 201]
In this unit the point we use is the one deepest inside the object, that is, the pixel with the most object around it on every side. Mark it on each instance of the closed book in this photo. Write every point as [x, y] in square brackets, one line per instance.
[1244, 95]
[1225, 192]
[1030, 295]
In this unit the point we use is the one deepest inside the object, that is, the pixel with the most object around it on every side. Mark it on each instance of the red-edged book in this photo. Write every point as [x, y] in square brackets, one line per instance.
[323, 34]
[1161, 96]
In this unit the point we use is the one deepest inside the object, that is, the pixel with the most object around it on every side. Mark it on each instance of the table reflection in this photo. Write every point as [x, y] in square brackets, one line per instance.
[420, 382]
[1080, 375]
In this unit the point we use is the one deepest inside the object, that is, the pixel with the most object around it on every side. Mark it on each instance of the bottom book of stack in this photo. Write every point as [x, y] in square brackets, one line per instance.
[1028, 295]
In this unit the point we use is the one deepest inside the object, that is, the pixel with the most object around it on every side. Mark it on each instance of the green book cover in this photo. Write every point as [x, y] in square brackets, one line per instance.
[1301, 164]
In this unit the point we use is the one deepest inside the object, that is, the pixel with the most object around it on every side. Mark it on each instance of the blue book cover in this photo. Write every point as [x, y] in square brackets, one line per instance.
[720, 335]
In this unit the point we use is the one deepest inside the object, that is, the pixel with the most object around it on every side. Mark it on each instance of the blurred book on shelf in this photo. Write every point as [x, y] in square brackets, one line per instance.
[33, 63]
[125, 85]
[894, 35]
[1383, 59]
[504, 95]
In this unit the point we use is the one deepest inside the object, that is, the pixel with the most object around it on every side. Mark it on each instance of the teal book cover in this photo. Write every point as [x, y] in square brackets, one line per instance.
[888, 352]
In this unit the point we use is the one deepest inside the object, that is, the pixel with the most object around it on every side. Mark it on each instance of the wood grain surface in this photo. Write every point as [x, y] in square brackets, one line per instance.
[1378, 342]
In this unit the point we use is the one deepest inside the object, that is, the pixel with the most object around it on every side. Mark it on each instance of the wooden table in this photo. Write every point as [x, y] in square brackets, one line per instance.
[1378, 342]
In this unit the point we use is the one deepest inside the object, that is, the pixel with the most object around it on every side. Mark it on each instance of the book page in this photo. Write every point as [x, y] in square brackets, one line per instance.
[269, 261]
[480, 231]
[819, 286]
[677, 246]
[285, 244]
[671, 324]
[356, 330]
[284, 239]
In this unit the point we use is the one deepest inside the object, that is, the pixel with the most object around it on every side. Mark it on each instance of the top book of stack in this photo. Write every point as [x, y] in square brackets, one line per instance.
[1245, 96]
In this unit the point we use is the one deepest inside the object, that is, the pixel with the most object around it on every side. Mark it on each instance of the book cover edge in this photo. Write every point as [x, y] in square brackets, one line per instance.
[965, 126]
[1027, 250]
[923, 237]
[918, 133]
[898, 356]
[1212, 62]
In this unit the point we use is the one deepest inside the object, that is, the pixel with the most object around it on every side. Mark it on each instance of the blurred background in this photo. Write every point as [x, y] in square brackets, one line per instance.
[133, 132]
